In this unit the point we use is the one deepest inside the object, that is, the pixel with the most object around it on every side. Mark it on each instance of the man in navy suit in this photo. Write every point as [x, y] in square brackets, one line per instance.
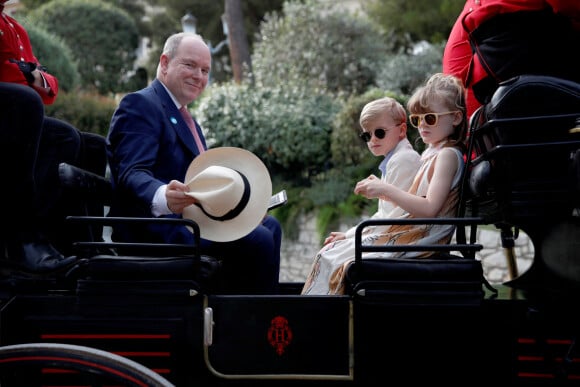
[150, 147]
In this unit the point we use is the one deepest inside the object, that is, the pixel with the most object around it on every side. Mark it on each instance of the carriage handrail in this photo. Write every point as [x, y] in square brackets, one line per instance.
[466, 221]
[519, 120]
[187, 249]
[500, 149]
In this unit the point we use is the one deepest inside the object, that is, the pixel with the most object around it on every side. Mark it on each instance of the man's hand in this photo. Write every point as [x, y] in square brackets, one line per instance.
[26, 68]
[31, 71]
[176, 198]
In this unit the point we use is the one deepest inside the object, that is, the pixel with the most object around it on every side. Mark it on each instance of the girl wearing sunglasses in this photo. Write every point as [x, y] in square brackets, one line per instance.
[438, 111]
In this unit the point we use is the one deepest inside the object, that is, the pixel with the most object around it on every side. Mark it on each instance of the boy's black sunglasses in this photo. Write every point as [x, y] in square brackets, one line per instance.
[379, 133]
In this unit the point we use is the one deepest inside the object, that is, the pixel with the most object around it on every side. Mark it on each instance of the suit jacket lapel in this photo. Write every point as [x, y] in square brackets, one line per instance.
[173, 117]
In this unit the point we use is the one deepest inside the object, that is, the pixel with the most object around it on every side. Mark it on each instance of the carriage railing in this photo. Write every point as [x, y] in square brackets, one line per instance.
[440, 278]
[151, 248]
[360, 248]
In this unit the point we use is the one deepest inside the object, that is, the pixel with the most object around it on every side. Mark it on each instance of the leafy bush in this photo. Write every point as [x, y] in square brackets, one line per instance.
[87, 112]
[53, 53]
[287, 126]
[403, 73]
[103, 38]
[318, 45]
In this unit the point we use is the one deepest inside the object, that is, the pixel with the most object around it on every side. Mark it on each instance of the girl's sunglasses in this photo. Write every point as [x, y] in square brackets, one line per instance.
[429, 119]
[379, 133]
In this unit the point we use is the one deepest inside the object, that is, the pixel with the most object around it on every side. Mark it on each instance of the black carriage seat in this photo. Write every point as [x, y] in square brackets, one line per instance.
[535, 96]
[527, 141]
[108, 266]
[444, 278]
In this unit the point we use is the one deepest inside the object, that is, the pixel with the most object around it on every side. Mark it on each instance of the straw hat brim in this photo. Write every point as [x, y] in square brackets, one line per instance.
[249, 165]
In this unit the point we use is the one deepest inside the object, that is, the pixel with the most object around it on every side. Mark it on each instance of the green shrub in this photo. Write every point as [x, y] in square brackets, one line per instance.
[53, 53]
[87, 112]
[287, 126]
[322, 46]
[403, 73]
[103, 38]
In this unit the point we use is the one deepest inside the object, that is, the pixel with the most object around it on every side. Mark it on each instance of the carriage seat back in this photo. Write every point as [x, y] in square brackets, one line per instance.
[531, 109]
[115, 263]
[534, 95]
[446, 279]
[105, 275]
[525, 141]
[443, 278]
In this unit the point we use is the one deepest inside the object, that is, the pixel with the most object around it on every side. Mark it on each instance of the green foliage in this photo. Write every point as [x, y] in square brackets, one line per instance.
[331, 198]
[331, 216]
[31, 4]
[87, 112]
[287, 126]
[54, 54]
[408, 22]
[403, 73]
[103, 38]
[289, 214]
[208, 14]
[137, 11]
[164, 26]
[304, 50]
[314, 44]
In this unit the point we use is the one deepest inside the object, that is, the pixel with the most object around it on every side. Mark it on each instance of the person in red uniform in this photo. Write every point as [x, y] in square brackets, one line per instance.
[31, 147]
[533, 36]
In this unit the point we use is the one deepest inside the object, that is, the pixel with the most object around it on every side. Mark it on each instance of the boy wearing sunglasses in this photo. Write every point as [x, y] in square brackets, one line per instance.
[384, 125]
[384, 129]
[438, 110]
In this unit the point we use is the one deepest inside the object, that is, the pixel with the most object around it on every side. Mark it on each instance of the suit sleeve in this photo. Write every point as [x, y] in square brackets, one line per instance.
[133, 145]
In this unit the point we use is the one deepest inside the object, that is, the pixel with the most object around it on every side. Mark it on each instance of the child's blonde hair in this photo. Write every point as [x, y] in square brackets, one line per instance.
[379, 106]
[449, 90]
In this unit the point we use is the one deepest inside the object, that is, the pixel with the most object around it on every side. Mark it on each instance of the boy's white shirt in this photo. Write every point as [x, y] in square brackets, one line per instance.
[400, 171]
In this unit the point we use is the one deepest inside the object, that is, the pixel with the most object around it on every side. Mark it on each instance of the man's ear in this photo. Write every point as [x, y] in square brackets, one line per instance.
[163, 63]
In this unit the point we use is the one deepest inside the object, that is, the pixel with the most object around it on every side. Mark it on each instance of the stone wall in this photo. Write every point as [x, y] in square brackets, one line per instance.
[297, 255]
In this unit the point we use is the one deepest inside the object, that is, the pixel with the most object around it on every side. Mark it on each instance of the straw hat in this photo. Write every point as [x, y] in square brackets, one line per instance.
[233, 188]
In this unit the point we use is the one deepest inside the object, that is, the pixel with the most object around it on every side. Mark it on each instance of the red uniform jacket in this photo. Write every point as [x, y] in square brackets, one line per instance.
[458, 58]
[15, 44]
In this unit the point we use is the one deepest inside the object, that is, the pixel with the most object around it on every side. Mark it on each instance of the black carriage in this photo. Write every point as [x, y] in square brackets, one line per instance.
[126, 318]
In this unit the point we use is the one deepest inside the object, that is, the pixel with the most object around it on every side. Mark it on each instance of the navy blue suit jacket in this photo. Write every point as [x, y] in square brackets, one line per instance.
[148, 145]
